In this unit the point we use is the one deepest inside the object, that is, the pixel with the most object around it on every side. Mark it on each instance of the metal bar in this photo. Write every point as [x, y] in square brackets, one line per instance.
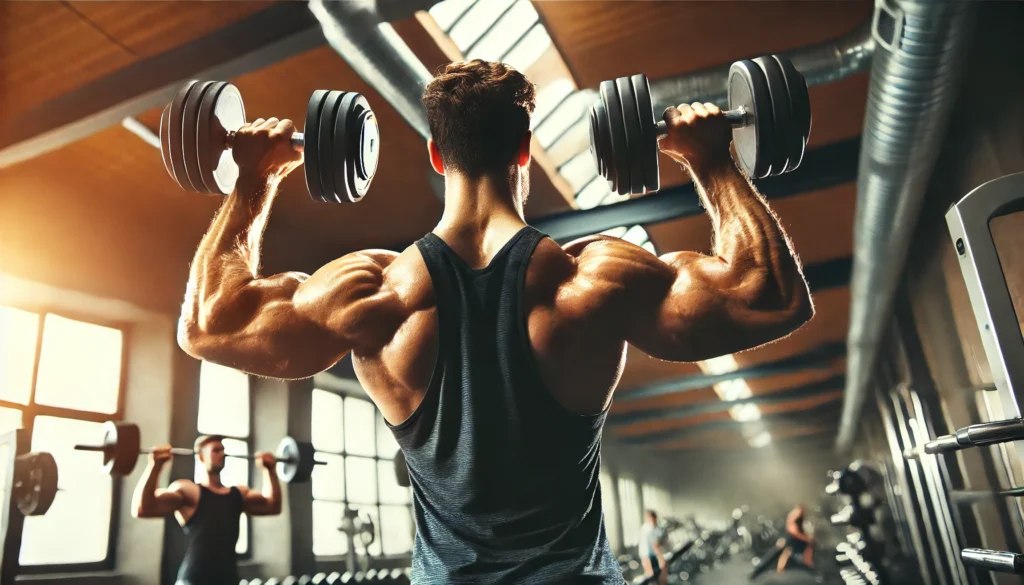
[811, 390]
[266, 37]
[816, 359]
[823, 167]
[968, 497]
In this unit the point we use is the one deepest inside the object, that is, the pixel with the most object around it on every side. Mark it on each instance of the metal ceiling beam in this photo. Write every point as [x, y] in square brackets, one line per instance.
[815, 414]
[823, 167]
[266, 37]
[820, 358]
[800, 392]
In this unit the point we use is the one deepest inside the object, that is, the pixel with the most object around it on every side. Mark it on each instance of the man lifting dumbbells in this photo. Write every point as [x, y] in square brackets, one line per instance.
[492, 350]
[208, 512]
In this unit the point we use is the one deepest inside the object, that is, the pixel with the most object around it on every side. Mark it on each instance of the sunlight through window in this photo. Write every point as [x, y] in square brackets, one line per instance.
[18, 332]
[223, 401]
[80, 365]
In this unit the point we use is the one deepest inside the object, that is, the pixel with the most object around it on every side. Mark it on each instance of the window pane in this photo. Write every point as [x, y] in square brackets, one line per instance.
[329, 480]
[5, 460]
[361, 474]
[390, 491]
[10, 419]
[18, 333]
[327, 539]
[387, 446]
[359, 433]
[236, 469]
[223, 401]
[327, 429]
[629, 500]
[80, 365]
[242, 544]
[370, 511]
[397, 529]
[48, 539]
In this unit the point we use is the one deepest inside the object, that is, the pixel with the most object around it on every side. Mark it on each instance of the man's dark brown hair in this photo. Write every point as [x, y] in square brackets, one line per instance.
[478, 112]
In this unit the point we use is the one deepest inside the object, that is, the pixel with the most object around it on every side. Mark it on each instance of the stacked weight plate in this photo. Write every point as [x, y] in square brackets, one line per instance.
[342, 146]
[770, 140]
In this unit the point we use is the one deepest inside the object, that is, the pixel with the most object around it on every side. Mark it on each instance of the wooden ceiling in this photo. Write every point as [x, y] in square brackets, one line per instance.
[101, 215]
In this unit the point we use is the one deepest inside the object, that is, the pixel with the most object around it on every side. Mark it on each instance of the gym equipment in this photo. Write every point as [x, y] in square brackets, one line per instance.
[993, 560]
[977, 435]
[35, 482]
[340, 145]
[120, 448]
[769, 109]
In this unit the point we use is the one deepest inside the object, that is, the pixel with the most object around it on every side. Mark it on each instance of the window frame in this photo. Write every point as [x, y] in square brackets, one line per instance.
[31, 410]
[344, 454]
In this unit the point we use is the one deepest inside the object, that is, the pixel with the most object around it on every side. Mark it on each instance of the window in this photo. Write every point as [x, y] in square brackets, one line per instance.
[657, 499]
[351, 437]
[60, 379]
[632, 515]
[224, 410]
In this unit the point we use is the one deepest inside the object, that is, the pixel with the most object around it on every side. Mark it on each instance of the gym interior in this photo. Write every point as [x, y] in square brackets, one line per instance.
[891, 416]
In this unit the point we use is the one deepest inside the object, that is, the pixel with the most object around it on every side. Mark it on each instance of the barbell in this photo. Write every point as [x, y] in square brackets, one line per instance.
[35, 482]
[121, 450]
[340, 143]
[770, 112]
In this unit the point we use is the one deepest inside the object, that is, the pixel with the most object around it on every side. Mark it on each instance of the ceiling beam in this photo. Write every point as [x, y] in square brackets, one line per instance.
[829, 410]
[261, 39]
[822, 167]
[812, 437]
[800, 392]
[820, 358]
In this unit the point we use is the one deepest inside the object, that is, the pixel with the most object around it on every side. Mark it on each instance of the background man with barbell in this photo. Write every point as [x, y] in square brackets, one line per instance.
[208, 512]
[492, 350]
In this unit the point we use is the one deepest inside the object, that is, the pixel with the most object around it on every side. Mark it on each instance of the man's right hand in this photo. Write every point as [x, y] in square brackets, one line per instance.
[698, 135]
[263, 149]
[161, 454]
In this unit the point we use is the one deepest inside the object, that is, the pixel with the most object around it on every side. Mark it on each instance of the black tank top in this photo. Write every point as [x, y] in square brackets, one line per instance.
[505, 480]
[211, 534]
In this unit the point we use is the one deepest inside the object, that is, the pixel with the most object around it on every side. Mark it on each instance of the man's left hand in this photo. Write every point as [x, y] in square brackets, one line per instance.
[267, 460]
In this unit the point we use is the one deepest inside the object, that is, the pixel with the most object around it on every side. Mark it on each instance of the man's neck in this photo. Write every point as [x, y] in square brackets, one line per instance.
[477, 203]
[213, 481]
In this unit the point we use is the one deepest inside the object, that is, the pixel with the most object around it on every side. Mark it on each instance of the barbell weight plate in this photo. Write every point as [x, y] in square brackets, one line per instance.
[174, 128]
[649, 128]
[598, 147]
[800, 110]
[339, 163]
[754, 142]
[363, 145]
[287, 459]
[633, 134]
[121, 448]
[619, 159]
[35, 483]
[164, 145]
[785, 130]
[326, 147]
[311, 151]
[228, 116]
[189, 135]
[306, 462]
[210, 147]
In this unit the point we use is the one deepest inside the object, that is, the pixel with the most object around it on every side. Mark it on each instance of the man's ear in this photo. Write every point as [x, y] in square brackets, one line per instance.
[435, 156]
[524, 149]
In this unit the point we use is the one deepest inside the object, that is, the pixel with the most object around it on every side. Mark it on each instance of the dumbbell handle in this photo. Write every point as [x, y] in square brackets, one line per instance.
[298, 141]
[182, 452]
[738, 117]
[993, 560]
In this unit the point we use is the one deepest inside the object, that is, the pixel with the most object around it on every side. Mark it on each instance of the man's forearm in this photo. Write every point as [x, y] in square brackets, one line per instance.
[272, 488]
[229, 254]
[144, 498]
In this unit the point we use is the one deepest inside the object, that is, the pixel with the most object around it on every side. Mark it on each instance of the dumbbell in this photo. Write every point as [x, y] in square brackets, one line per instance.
[769, 109]
[120, 448]
[340, 145]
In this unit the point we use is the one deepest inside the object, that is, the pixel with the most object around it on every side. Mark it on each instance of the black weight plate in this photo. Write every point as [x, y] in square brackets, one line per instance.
[800, 110]
[365, 144]
[174, 127]
[633, 133]
[784, 127]
[189, 135]
[121, 443]
[228, 116]
[619, 159]
[341, 164]
[210, 148]
[35, 483]
[325, 146]
[164, 137]
[306, 462]
[310, 151]
[749, 90]
[649, 126]
[599, 148]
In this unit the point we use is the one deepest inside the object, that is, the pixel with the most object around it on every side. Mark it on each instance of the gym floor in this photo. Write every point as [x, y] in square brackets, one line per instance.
[96, 238]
